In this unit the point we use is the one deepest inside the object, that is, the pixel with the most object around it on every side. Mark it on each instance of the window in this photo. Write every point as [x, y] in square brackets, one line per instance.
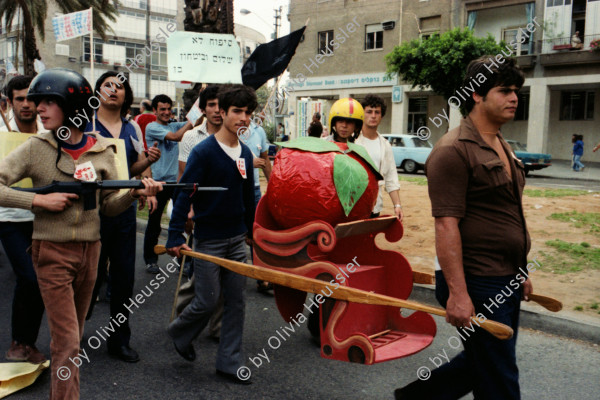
[374, 37]
[522, 113]
[396, 142]
[554, 3]
[514, 34]
[425, 36]
[324, 39]
[97, 50]
[417, 113]
[577, 106]
[421, 143]
[159, 59]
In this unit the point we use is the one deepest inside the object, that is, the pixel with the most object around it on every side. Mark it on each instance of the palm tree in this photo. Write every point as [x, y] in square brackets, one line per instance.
[34, 12]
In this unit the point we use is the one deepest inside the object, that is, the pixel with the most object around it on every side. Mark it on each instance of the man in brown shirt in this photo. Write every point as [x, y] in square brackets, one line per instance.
[476, 186]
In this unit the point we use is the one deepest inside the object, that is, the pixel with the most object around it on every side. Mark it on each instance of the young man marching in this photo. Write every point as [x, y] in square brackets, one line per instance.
[167, 135]
[16, 228]
[380, 151]
[476, 186]
[223, 222]
[66, 238]
[118, 232]
[209, 105]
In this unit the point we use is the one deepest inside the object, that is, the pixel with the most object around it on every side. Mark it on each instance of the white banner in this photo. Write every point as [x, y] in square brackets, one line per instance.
[72, 25]
[203, 57]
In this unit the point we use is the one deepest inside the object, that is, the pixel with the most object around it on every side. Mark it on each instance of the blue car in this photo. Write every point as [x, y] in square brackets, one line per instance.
[410, 152]
[531, 161]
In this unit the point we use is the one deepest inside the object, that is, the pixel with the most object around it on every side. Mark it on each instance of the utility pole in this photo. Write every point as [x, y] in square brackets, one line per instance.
[276, 35]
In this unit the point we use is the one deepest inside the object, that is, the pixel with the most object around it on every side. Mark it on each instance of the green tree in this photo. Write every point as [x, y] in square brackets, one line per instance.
[440, 61]
[34, 14]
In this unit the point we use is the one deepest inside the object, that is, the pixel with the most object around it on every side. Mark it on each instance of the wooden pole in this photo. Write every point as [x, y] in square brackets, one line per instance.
[346, 293]
[8, 128]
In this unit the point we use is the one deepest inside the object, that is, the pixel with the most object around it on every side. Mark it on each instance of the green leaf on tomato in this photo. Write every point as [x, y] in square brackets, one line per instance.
[362, 152]
[311, 144]
[350, 179]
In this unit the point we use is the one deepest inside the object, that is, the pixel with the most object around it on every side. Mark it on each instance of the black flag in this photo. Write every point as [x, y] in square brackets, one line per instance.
[269, 60]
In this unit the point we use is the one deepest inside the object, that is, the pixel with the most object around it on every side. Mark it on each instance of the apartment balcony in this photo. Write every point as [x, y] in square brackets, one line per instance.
[560, 52]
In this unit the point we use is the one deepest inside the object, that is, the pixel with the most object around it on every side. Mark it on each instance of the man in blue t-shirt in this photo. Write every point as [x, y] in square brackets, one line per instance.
[118, 233]
[257, 142]
[223, 224]
[166, 135]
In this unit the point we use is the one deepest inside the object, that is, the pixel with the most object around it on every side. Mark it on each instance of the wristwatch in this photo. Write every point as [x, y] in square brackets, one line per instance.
[397, 206]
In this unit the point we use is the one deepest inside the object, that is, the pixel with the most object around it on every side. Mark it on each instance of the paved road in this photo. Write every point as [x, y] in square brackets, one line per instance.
[551, 367]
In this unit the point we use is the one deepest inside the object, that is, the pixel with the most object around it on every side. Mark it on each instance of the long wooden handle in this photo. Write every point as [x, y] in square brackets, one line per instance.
[346, 293]
[8, 128]
[549, 303]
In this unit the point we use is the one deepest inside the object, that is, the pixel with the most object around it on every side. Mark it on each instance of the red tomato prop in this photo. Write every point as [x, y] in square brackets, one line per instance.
[317, 180]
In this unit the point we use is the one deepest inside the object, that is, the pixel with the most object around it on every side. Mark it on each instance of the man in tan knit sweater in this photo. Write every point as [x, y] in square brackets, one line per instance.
[66, 238]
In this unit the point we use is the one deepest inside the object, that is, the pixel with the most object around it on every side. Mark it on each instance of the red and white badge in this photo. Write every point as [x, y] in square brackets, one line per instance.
[85, 172]
[241, 164]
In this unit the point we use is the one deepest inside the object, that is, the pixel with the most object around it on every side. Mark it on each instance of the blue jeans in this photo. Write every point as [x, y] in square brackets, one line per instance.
[27, 306]
[118, 246]
[487, 366]
[210, 279]
[577, 165]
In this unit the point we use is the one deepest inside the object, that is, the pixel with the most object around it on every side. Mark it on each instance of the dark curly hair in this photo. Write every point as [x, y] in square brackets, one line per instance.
[128, 92]
[374, 101]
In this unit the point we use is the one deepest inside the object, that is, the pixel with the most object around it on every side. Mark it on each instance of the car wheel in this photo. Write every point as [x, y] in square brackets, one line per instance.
[410, 166]
[527, 171]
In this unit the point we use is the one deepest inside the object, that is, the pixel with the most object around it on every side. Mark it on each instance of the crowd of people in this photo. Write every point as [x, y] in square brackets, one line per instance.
[475, 186]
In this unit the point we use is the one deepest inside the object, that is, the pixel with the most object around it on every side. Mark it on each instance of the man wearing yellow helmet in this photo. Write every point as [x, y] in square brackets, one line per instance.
[345, 120]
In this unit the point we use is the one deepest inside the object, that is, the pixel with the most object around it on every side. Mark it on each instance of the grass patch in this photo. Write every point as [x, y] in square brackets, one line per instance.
[578, 308]
[553, 192]
[143, 214]
[570, 257]
[580, 220]
[417, 180]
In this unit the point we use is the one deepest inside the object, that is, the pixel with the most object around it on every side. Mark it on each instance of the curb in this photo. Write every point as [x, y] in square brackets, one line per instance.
[531, 317]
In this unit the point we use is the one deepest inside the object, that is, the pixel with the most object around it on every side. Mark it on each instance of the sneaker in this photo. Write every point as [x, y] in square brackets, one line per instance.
[35, 356]
[152, 268]
[17, 352]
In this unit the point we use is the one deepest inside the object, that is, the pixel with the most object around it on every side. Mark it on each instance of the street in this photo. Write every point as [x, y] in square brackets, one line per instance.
[551, 367]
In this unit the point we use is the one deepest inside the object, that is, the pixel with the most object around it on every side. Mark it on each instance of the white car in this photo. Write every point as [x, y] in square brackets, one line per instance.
[410, 152]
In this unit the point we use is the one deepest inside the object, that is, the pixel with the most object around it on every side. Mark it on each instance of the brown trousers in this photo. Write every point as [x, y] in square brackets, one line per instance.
[66, 274]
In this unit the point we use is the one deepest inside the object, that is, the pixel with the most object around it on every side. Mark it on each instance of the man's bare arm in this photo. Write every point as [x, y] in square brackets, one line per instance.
[177, 136]
[267, 170]
[448, 245]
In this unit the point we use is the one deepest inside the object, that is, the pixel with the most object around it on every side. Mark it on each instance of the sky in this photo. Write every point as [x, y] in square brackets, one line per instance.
[262, 9]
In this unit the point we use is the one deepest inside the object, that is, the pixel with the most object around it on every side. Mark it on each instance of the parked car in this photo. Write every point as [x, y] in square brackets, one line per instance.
[531, 161]
[410, 152]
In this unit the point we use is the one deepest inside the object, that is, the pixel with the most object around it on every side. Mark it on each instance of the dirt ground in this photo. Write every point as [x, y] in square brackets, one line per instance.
[578, 289]
[573, 289]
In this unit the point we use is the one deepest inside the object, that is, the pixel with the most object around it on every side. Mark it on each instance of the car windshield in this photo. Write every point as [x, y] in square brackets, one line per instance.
[518, 146]
[396, 142]
[421, 143]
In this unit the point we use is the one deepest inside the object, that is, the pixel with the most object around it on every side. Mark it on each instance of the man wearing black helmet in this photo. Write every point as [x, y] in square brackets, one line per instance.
[66, 245]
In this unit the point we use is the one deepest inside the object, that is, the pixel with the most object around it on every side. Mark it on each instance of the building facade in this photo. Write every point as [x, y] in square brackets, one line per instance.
[342, 55]
[138, 24]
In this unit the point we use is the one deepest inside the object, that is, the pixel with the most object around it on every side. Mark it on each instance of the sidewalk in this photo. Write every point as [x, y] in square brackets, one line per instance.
[561, 169]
